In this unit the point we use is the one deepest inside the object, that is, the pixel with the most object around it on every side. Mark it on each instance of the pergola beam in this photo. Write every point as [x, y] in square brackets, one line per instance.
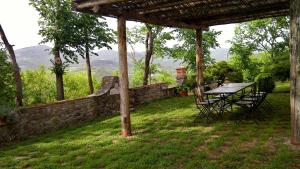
[192, 14]
[93, 3]
[295, 70]
[228, 10]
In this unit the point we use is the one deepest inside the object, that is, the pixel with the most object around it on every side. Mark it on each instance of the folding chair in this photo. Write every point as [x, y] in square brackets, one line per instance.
[208, 108]
[252, 102]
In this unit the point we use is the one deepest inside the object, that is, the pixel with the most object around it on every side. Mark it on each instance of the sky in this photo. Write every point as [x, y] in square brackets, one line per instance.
[20, 23]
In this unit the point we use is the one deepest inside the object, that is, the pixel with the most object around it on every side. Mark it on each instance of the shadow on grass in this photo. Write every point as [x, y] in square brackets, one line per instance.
[165, 136]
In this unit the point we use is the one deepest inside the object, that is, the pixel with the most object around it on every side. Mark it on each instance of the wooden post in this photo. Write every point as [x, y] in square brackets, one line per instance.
[124, 96]
[295, 70]
[199, 65]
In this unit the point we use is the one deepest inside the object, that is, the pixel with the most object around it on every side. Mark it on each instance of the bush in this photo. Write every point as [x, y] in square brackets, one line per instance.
[5, 110]
[222, 71]
[7, 83]
[265, 82]
[39, 86]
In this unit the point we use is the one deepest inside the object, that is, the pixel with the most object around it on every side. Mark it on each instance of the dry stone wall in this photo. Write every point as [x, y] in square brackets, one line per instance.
[36, 120]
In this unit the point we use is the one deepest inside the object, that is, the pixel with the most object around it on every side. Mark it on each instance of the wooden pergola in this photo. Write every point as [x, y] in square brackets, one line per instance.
[198, 15]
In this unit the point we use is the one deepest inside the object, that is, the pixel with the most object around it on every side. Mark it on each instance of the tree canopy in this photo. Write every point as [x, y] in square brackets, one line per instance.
[185, 50]
[7, 88]
[58, 25]
[266, 37]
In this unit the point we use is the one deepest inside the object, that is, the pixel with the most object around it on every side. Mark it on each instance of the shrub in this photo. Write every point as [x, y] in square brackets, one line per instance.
[5, 110]
[265, 82]
[221, 71]
[7, 84]
[39, 85]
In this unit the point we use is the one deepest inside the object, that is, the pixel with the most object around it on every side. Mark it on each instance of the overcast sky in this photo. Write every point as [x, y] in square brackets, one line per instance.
[20, 23]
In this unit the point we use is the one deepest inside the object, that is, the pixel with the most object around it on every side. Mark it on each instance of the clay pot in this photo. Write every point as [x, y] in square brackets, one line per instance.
[183, 93]
[181, 72]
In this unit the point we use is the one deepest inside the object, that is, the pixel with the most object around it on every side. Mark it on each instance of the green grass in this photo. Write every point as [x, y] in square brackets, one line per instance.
[282, 87]
[165, 136]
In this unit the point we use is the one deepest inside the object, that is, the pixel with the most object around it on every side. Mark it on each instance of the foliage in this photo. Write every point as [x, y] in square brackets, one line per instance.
[165, 76]
[93, 33]
[161, 36]
[5, 110]
[265, 82]
[7, 87]
[166, 136]
[185, 50]
[268, 37]
[76, 84]
[221, 71]
[58, 24]
[39, 86]
[157, 74]
[58, 69]
[184, 87]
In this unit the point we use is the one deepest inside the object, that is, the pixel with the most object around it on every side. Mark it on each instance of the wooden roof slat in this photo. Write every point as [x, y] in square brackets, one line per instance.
[231, 11]
[185, 13]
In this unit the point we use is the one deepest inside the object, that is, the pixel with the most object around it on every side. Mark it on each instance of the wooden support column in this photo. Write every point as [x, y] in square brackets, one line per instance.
[199, 65]
[124, 96]
[295, 70]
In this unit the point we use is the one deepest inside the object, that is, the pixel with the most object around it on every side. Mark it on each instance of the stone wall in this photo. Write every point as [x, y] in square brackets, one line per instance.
[36, 120]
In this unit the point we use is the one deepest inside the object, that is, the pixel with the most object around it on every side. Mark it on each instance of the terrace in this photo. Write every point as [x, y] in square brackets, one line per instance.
[165, 136]
[198, 15]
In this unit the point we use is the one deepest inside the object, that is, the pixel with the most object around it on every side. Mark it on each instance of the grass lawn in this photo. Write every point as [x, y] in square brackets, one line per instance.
[165, 136]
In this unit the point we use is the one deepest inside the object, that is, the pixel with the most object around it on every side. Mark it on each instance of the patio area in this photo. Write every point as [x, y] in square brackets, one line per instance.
[165, 136]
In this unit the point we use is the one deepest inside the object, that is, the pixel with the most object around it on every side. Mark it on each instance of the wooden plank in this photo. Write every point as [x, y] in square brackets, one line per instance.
[92, 3]
[190, 14]
[199, 65]
[295, 70]
[124, 96]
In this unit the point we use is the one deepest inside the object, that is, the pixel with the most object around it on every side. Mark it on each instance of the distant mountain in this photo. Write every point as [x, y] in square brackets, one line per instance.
[107, 60]
[32, 57]
[220, 54]
[105, 63]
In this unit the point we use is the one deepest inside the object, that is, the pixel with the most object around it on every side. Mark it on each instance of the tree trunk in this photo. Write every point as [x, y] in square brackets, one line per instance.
[89, 70]
[59, 77]
[295, 69]
[199, 66]
[124, 96]
[149, 52]
[17, 76]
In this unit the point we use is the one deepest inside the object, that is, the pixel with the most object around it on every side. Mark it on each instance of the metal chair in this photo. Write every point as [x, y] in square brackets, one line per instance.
[252, 102]
[208, 108]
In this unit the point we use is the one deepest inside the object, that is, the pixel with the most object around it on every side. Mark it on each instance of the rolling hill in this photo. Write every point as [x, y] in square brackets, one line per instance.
[31, 58]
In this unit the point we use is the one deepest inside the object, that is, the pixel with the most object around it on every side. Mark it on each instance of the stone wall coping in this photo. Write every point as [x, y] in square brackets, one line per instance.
[58, 102]
[151, 85]
[82, 98]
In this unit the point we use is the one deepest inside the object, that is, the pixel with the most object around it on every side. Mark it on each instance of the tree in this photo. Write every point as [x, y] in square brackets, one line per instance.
[137, 78]
[93, 34]
[7, 89]
[221, 71]
[16, 70]
[58, 25]
[185, 49]
[154, 38]
[268, 36]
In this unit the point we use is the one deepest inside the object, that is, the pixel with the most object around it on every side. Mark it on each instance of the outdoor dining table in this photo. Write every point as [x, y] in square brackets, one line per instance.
[227, 90]
[230, 88]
